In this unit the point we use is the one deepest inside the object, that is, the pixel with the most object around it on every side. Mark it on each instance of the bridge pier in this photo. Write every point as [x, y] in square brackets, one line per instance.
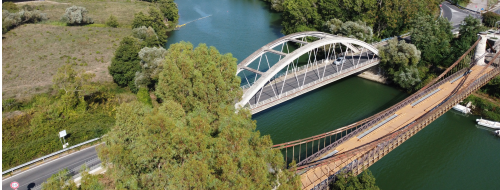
[481, 48]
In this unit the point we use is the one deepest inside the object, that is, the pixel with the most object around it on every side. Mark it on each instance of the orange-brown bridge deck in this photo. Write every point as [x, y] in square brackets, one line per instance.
[405, 116]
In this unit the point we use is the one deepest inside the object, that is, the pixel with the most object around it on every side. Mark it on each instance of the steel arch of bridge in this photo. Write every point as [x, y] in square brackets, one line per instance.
[287, 59]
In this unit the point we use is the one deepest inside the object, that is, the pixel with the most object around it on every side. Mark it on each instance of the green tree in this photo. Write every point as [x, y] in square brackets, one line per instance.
[72, 81]
[347, 181]
[493, 87]
[152, 60]
[126, 62]
[432, 37]
[91, 182]
[73, 85]
[146, 34]
[299, 16]
[468, 32]
[61, 180]
[358, 29]
[194, 139]
[490, 18]
[400, 61]
[169, 10]
[198, 77]
[154, 20]
[112, 21]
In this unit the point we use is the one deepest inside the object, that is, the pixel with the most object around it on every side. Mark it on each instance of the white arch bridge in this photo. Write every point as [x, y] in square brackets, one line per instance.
[278, 72]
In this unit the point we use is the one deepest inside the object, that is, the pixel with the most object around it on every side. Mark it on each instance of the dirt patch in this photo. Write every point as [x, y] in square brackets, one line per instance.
[32, 53]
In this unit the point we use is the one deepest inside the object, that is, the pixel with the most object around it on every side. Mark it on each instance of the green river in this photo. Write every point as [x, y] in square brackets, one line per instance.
[450, 153]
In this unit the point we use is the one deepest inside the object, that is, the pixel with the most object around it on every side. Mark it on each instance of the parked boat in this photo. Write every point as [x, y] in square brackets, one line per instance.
[489, 124]
[461, 108]
[497, 132]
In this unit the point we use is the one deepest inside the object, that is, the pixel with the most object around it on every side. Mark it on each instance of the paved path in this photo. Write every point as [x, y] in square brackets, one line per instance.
[477, 5]
[39, 174]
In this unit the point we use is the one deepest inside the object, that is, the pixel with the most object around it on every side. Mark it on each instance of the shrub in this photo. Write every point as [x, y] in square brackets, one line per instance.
[10, 104]
[154, 20]
[76, 16]
[112, 21]
[143, 96]
[11, 20]
[10, 6]
[147, 34]
[490, 18]
[126, 62]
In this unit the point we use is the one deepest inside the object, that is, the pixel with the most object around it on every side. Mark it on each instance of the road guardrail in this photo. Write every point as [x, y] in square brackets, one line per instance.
[48, 156]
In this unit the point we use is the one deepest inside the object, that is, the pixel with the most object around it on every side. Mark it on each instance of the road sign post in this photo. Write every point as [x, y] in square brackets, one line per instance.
[14, 185]
[62, 134]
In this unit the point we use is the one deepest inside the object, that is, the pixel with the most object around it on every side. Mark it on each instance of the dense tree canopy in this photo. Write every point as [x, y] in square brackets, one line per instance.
[147, 35]
[432, 37]
[169, 10]
[152, 60]
[490, 18]
[194, 139]
[387, 18]
[126, 62]
[400, 60]
[200, 77]
[358, 29]
[153, 20]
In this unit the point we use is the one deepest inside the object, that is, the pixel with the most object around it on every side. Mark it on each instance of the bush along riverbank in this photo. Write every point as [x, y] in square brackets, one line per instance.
[483, 107]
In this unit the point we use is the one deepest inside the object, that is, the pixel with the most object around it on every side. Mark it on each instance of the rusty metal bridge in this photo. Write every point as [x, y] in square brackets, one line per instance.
[355, 147]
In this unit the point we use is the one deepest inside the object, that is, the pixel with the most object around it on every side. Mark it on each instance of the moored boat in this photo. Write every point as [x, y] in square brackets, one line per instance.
[497, 132]
[461, 108]
[489, 124]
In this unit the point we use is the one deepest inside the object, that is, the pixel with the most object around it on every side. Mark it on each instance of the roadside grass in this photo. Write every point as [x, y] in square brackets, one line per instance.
[32, 53]
[99, 10]
[30, 130]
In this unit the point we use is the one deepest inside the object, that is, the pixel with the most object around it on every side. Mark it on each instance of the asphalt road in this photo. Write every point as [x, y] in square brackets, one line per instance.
[293, 82]
[36, 176]
[454, 14]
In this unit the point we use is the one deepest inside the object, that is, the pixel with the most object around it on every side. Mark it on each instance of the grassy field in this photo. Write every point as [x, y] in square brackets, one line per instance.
[99, 10]
[32, 53]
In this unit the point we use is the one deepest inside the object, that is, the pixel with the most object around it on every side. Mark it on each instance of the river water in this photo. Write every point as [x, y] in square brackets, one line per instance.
[450, 153]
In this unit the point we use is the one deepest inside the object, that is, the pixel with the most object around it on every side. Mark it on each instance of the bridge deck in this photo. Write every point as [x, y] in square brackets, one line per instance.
[314, 73]
[405, 115]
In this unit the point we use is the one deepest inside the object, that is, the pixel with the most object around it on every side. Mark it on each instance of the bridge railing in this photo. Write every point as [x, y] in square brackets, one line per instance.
[312, 83]
[353, 161]
[350, 131]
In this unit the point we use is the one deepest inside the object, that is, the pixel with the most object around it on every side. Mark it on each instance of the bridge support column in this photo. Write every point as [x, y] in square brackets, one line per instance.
[480, 48]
